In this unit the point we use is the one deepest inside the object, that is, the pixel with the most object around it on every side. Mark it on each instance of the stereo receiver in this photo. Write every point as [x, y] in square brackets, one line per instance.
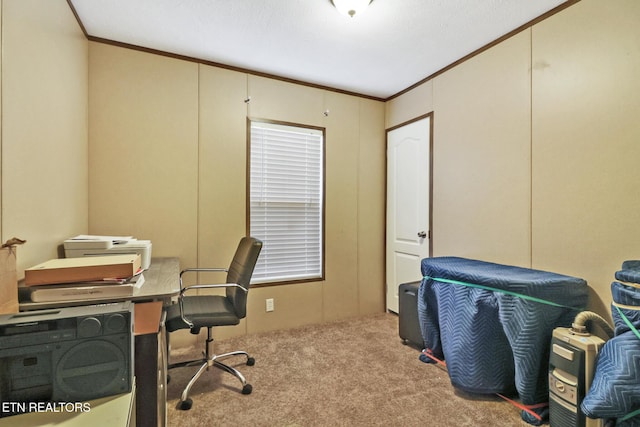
[71, 354]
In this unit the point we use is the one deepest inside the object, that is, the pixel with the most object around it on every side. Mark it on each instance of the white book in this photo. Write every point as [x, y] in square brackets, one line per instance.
[85, 291]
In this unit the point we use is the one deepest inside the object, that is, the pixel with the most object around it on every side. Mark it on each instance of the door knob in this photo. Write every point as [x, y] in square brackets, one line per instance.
[422, 234]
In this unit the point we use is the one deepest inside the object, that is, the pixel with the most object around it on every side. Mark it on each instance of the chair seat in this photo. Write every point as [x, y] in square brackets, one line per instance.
[203, 311]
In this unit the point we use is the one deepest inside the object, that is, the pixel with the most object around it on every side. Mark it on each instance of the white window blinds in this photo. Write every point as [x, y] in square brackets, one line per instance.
[286, 201]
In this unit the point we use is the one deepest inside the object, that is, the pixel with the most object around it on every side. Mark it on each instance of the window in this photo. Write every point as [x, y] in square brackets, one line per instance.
[286, 206]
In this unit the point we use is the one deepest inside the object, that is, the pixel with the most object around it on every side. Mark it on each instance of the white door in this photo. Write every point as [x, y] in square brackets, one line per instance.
[408, 151]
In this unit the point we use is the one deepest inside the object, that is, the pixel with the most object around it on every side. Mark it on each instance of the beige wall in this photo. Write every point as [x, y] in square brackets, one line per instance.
[481, 155]
[586, 141]
[44, 127]
[143, 149]
[535, 141]
[167, 147]
[410, 105]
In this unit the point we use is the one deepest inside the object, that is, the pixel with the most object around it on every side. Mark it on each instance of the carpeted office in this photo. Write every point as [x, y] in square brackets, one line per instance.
[531, 147]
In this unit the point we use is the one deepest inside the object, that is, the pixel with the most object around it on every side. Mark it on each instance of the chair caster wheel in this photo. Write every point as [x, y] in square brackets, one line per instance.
[247, 389]
[251, 361]
[185, 405]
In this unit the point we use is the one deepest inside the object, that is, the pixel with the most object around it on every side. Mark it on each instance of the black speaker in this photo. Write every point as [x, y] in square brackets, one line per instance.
[70, 354]
[408, 322]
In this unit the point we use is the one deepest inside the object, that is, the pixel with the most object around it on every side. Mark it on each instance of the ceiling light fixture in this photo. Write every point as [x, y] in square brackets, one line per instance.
[351, 7]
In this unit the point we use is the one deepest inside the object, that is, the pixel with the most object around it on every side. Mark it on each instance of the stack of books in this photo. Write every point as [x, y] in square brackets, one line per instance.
[86, 278]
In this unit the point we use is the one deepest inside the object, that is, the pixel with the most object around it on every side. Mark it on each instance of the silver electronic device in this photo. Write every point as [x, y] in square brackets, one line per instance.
[571, 369]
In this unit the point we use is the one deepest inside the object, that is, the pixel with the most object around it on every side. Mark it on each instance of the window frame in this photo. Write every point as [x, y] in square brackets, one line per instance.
[322, 130]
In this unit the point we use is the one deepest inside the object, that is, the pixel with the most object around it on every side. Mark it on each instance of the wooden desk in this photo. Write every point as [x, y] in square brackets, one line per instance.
[150, 364]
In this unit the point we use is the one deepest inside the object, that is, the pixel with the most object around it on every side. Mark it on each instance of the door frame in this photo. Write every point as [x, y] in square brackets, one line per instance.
[429, 115]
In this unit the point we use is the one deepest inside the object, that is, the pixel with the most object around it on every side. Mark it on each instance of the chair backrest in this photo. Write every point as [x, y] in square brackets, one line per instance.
[240, 272]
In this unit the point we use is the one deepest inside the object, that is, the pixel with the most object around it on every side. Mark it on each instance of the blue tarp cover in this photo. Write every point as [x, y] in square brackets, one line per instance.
[492, 323]
[615, 390]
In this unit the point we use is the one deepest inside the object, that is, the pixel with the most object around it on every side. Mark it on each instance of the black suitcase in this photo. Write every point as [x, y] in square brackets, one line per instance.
[409, 325]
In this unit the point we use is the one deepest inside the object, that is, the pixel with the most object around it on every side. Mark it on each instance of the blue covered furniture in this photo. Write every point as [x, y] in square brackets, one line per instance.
[492, 324]
[615, 390]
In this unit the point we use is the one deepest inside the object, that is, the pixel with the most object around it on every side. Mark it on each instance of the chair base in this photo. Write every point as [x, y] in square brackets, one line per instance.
[205, 363]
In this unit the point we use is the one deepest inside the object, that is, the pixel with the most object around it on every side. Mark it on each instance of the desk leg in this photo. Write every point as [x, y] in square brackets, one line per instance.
[151, 379]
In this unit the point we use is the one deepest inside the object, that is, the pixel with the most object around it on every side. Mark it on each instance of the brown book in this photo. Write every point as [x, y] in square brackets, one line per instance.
[84, 269]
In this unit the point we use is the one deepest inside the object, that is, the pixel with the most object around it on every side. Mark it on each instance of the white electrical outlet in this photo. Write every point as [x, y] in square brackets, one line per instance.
[269, 303]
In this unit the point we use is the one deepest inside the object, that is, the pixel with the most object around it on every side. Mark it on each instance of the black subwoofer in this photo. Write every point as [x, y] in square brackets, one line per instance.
[408, 323]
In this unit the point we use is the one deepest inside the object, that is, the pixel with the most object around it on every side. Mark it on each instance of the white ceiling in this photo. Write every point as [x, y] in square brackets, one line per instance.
[393, 45]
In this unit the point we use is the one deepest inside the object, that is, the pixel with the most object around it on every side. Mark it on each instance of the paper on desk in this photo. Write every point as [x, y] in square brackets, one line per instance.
[96, 237]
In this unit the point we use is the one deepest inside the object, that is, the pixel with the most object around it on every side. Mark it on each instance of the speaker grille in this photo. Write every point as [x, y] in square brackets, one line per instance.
[92, 368]
[560, 416]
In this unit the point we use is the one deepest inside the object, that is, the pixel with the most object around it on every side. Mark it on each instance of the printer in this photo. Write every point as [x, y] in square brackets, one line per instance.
[91, 245]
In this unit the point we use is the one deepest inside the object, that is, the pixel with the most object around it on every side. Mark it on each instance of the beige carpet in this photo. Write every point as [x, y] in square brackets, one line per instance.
[347, 373]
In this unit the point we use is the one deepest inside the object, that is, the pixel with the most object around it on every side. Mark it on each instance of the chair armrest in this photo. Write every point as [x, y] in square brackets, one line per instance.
[202, 270]
[205, 286]
[202, 286]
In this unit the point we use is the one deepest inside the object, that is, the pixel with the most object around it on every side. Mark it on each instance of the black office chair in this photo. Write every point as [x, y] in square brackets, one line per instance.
[198, 311]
